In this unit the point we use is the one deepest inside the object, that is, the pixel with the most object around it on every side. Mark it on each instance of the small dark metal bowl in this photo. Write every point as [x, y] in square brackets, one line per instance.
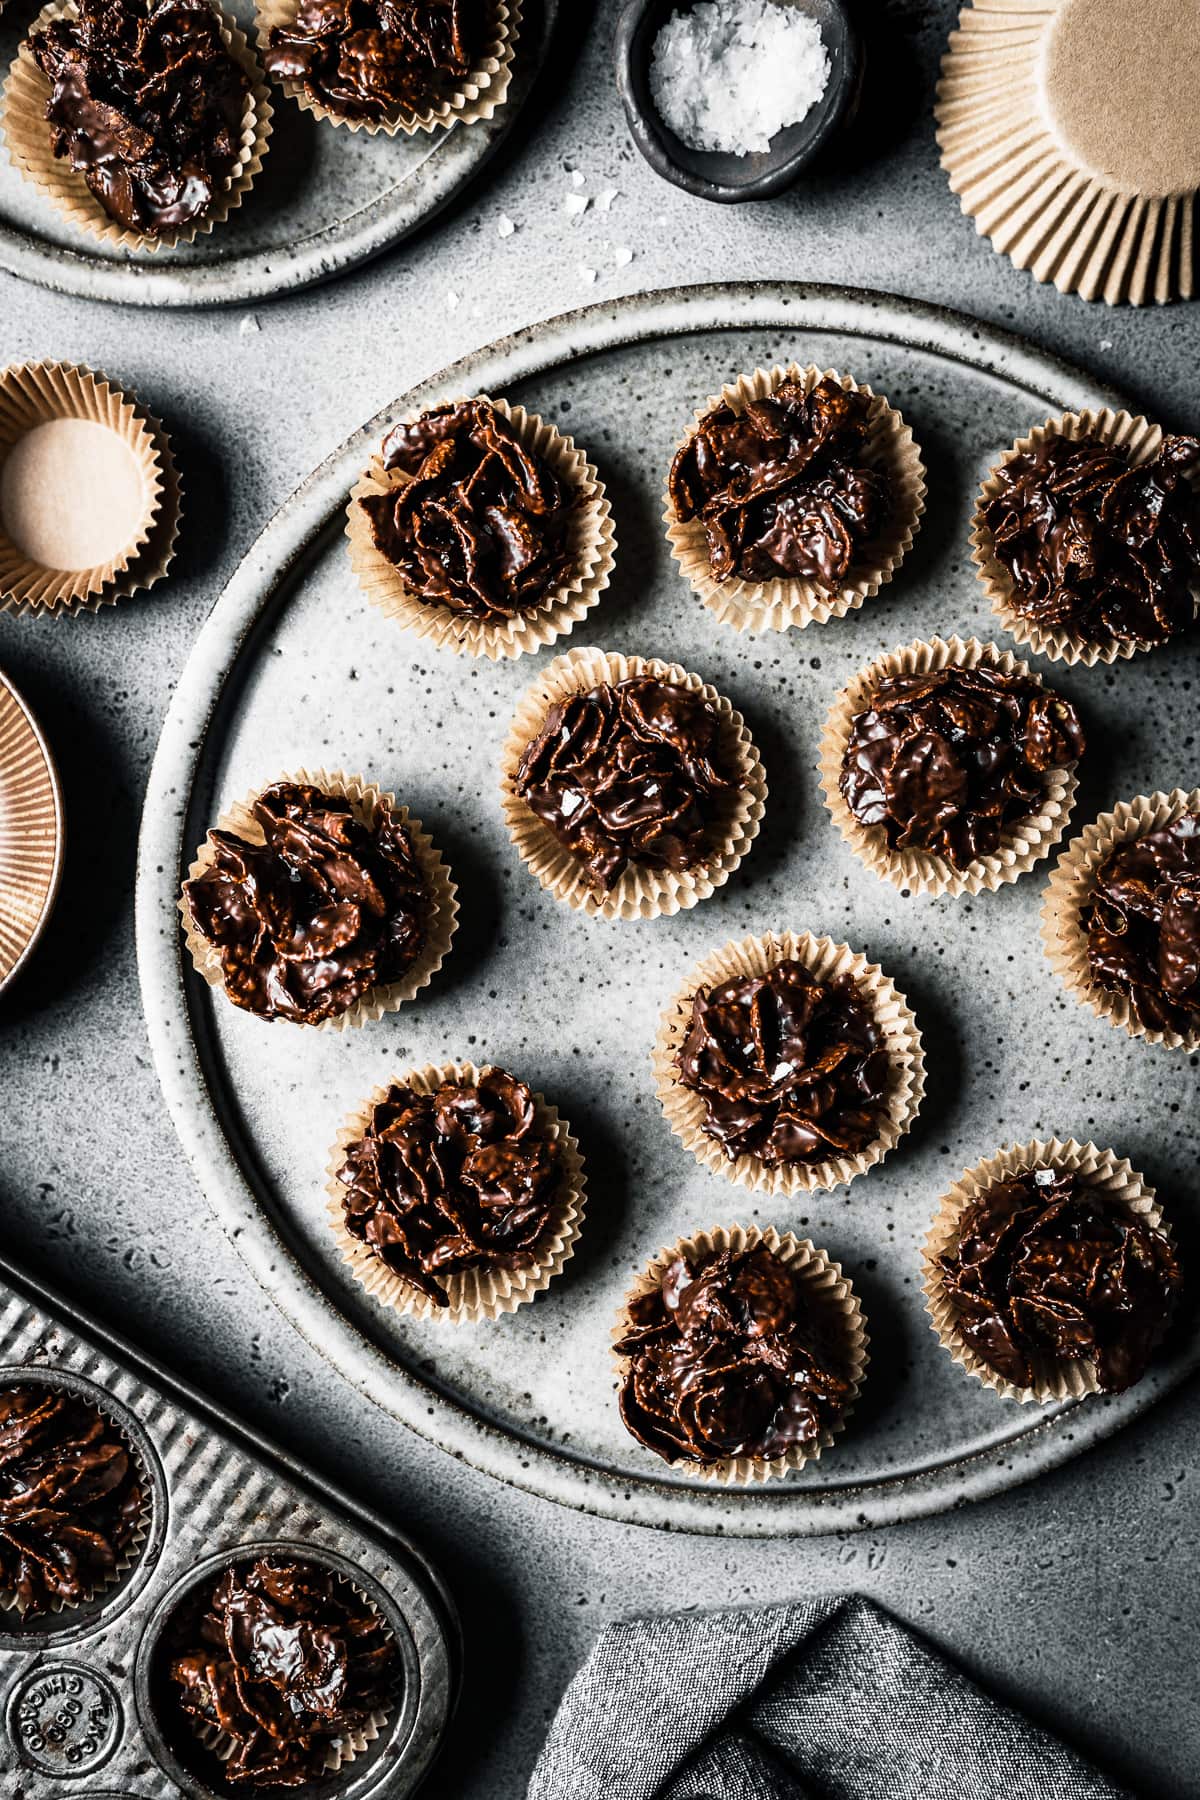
[714, 174]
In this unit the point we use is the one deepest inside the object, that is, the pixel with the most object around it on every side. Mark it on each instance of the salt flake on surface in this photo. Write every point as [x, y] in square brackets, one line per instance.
[452, 299]
[249, 325]
[622, 256]
[576, 205]
[504, 226]
[586, 274]
[605, 198]
[729, 74]
[577, 178]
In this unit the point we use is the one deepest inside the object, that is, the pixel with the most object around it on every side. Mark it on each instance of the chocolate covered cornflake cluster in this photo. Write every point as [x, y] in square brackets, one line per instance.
[1143, 925]
[371, 59]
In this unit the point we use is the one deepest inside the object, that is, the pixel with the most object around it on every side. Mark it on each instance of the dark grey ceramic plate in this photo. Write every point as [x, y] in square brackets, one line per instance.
[327, 199]
[294, 667]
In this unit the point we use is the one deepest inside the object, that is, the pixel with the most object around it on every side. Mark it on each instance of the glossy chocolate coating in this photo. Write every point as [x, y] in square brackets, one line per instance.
[1143, 925]
[318, 915]
[728, 1358]
[369, 59]
[71, 1496]
[462, 1178]
[147, 103]
[1047, 1268]
[946, 761]
[284, 1659]
[790, 1069]
[482, 525]
[782, 488]
[1095, 546]
[629, 773]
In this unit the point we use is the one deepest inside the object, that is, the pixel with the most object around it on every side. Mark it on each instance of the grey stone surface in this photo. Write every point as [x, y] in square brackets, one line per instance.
[1075, 1597]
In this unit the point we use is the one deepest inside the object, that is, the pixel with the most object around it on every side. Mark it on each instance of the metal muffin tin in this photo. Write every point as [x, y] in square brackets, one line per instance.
[81, 1689]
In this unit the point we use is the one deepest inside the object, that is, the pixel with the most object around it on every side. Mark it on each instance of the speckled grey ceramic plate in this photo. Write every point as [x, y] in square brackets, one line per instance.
[293, 667]
[326, 200]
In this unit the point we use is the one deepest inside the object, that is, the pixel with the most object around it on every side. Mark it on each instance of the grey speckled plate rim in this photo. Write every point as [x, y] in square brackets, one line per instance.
[301, 526]
[256, 274]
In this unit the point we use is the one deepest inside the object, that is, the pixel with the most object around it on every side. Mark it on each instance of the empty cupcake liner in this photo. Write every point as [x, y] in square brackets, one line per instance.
[36, 394]
[827, 961]
[480, 95]
[1059, 139]
[1095, 1168]
[27, 135]
[473, 1294]
[1140, 441]
[1024, 843]
[592, 541]
[824, 1285]
[1064, 934]
[640, 893]
[31, 832]
[758, 606]
[366, 800]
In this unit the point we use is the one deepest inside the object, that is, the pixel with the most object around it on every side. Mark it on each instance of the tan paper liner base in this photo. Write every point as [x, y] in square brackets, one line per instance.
[1095, 1168]
[592, 541]
[684, 1108]
[33, 394]
[1064, 934]
[27, 135]
[366, 799]
[1028, 191]
[473, 1294]
[1024, 843]
[640, 893]
[31, 831]
[824, 1284]
[480, 96]
[1139, 440]
[758, 606]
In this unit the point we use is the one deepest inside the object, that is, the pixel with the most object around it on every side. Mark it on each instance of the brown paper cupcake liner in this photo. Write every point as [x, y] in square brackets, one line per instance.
[1024, 843]
[592, 540]
[480, 95]
[824, 1284]
[640, 893]
[1095, 1168]
[31, 832]
[1099, 199]
[34, 394]
[1064, 934]
[684, 1109]
[366, 800]
[27, 135]
[1140, 441]
[473, 1294]
[758, 606]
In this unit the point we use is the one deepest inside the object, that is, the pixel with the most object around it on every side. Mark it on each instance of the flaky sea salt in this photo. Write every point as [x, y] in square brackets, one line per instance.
[575, 205]
[729, 74]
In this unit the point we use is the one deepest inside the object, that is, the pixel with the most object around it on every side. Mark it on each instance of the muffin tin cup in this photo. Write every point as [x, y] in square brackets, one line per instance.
[640, 892]
[36, 394]
[474, 1294]
[366, 801]
[824, 1284]
[1101, 1169]
[481, 94]
[1064, 934]
[27, 135]
[777, 605]
[592, 541]
[683, 1108]
[1138, 440]
[1024, 842]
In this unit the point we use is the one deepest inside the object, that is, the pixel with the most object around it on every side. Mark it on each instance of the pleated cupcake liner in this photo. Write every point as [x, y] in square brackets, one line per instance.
[780, 603]
[640, 892]
[592, 540]
[31, 832]
[1023, 843]
[366, 801]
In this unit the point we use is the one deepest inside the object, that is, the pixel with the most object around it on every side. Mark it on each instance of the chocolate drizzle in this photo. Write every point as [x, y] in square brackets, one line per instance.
[372, 59]
[1143, 925]
[147, 103]
[463, 1178]
[1048, 1268]
[782, 488]
[71, 1497]
[947, 761]
[324, 910]
[729, 1358]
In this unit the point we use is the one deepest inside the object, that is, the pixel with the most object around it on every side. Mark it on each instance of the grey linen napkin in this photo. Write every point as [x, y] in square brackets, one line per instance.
[824, 1700]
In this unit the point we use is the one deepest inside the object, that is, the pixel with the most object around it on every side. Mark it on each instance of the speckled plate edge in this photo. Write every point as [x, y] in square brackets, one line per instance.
[214, 279]
[299, 530]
